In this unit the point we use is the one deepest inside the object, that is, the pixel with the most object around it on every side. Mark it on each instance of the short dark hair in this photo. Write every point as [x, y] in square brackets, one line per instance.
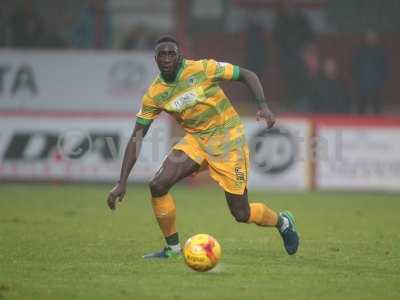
[167, 38]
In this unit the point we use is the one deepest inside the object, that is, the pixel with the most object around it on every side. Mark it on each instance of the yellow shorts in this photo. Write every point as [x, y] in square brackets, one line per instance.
[230, 170]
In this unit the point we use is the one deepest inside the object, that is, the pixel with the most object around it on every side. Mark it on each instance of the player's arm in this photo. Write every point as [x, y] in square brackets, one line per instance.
[148, 112]
[131, 155]
[251, 80]
[217, 71]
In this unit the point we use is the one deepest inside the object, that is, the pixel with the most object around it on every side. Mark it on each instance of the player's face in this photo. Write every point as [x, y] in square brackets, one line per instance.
[167, 58]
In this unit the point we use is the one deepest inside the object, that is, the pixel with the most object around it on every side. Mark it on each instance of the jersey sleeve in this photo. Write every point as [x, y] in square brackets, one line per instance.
[219, 71]
[148, 112]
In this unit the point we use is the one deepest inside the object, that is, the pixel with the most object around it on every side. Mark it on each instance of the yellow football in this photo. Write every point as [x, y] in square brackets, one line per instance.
[202, 252]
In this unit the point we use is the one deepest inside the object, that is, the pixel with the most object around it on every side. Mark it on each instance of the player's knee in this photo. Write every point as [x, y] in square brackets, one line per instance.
[158, 187]
[241, 216]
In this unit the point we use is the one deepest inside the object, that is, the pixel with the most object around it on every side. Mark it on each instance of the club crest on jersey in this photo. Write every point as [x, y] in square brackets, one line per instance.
[191, 81]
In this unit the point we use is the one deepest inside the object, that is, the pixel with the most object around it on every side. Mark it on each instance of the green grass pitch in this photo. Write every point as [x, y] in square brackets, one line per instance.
[62, 242]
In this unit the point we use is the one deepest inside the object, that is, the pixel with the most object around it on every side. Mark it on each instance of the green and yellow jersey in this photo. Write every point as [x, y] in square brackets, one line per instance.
[198, 104]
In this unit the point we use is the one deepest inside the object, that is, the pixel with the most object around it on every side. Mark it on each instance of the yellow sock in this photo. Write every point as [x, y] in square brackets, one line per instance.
[165, 212]
[262, 215]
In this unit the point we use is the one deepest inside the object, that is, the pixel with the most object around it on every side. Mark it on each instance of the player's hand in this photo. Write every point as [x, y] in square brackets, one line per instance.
[116, 194]
[267, 115]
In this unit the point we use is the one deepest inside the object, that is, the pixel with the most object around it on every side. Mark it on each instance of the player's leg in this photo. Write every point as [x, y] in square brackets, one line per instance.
[176, 166]
[238, 206]
[261, 215]
[255, 212]
[231, 173]
[245, 212]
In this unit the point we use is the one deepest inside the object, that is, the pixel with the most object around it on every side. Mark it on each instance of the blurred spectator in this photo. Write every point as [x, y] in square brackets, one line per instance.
[310, 57]
[139, 39]
[26, 27]
[3, 29]
[330, 94]
[291, 32]
[94, 28]
[309, 72]
[370, 73]
[256, 59]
